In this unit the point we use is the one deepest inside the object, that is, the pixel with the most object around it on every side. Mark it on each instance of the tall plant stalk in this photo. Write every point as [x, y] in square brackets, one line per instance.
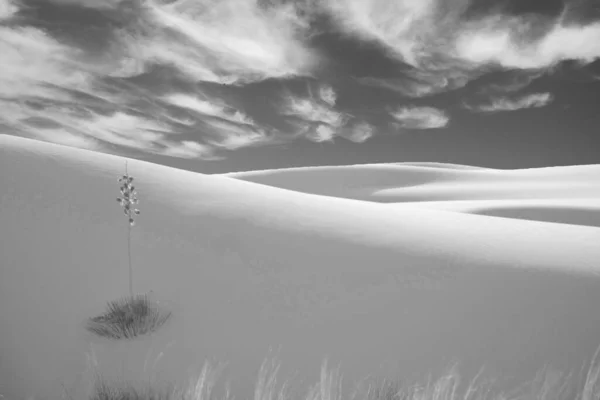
[128, 199]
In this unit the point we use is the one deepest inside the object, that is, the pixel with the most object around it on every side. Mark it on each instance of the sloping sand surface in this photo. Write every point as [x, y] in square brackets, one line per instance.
[246, 267]
[558, 194]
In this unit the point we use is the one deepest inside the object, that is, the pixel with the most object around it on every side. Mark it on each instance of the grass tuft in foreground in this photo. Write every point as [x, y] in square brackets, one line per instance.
[547, 386]
[128, 317]
[104, 391]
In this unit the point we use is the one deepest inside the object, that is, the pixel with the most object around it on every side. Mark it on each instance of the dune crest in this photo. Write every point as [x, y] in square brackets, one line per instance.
[569, 195]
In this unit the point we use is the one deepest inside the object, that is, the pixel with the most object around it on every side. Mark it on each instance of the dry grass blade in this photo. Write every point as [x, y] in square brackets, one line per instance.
[547, 386]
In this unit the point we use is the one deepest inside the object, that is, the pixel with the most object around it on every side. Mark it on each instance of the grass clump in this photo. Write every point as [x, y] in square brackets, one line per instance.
[547, 386]
[200, 388]
[128, 317]
[104, 391]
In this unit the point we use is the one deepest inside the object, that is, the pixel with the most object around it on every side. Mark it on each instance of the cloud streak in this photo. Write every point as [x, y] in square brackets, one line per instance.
[230, 41]
[101, 5]
[397, 25]
[56, 92]
[34, 64]
[214, 108]
[317, 120]
[8, 9]
[503, 103]
[503, 44]
[420, 117]
[446, 49]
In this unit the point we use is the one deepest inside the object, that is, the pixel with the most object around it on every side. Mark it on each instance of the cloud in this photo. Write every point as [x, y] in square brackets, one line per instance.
[421, 83]
[48, 91]
[317, 120]
[359, 132]
[508, 43]
[327, 94]
[80, 127]
[189, 149]
[416, 33]
[34, 64]
[8, 8]
[513, 82]
[448, 46]
[399, 26]
[420, 117]
[101, 5]
[121, 129]
[213, 108]
[310, 110]
[227, 127]
[135, 88]
[321, 133]
[233, 136]
[429, 34]
[503, 103]
[230, 41]
[61, 136]
[126, 130]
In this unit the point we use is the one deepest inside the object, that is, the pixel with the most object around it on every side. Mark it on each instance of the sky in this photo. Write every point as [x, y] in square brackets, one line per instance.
[218, 86]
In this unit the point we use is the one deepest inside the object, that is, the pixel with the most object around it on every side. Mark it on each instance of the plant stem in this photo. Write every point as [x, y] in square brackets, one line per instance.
[129, 253]
[129, 244]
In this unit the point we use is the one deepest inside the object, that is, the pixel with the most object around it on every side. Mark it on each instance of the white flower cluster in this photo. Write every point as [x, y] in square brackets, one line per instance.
[129, 198]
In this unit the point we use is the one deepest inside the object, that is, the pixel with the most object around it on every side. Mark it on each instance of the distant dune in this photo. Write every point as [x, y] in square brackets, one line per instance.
[558, 194]
[440, 165]
[370, 266]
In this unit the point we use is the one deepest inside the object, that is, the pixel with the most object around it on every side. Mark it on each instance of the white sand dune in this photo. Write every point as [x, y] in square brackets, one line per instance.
[439, 165]
[377, 288]
[559, 194]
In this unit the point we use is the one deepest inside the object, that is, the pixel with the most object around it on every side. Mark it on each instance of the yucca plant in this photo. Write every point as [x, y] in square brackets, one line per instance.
[127, 200]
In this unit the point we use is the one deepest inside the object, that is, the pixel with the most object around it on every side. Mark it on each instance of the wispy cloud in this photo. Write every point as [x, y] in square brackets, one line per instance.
[230, 41]
[80, 127]
[52, 91]
[327, 94]
[421, 83]
[504, 103]
[102, 5]
[447, 50]
[507, 42]
[422, 33]
[189, 149]
[8, 8]
[398, 25]
[310, 110]
[233, 136]
[418, 33]
[514, 81]
[213, 108]
[358, 132]
[321, 133]
[420, 117]
[315, 119]
[34, 64]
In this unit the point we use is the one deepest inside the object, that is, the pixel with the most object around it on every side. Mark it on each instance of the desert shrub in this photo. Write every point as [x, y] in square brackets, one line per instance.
[128, 317]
